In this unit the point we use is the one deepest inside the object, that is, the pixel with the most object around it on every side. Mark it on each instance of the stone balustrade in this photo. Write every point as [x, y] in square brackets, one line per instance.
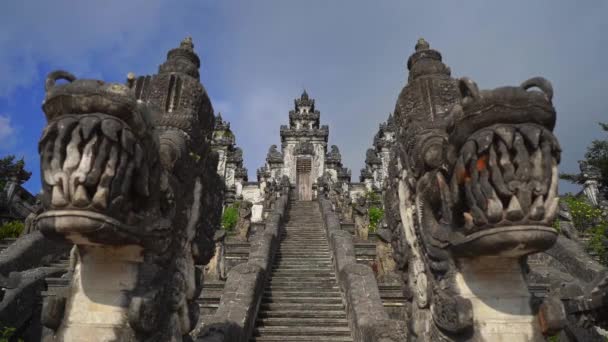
[235, 317]
[365, 312]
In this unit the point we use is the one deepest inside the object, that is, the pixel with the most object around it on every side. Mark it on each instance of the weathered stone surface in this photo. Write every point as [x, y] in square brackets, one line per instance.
[29, 251]
[473, 175]
[235, 317]
[366, 314]
[20, 302]
[244, 223]
[129, 177]
[361, 216]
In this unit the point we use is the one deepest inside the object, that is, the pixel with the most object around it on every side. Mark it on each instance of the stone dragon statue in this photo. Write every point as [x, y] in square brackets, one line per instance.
[129, 178]
[472, 189]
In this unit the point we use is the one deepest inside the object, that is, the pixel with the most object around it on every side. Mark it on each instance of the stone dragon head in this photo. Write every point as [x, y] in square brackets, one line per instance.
[131, 166]
[473, 173]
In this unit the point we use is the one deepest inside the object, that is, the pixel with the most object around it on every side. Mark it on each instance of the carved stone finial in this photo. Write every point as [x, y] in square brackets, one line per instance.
[182, 59]
[187, 43]
[432, 61]
[130, 79]
[422, 45]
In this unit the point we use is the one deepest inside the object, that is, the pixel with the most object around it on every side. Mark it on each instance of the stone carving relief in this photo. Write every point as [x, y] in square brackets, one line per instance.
[361, 217]
[127, 175]
[243, 225]
[473, 185]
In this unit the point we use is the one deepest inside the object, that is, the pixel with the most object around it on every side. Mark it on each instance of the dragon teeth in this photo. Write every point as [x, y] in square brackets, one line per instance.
[505, 133]
[80, 198]
[100, 200]
[128, 141]
[537, 211]
[484, 140]
[58, 197]
[88, 125]
[111, 128]
[514, 211]
[531, 134]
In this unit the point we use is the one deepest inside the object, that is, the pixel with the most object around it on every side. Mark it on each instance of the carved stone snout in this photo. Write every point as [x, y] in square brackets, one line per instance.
[99, 161]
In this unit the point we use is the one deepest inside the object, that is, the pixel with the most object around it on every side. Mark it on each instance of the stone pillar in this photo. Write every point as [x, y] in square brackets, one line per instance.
[500, 299]
[102, 280]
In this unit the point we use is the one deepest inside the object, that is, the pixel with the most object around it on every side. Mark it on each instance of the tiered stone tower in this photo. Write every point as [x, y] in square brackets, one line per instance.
[303, 157]
[378, 158]
[230, 159]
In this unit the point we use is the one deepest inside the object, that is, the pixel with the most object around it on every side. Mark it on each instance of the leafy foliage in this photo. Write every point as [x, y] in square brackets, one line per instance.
[596, 155]
[230, 217]
[589, 220]
[11, 169]
[376, 215]
[372, 198]
[6, 334]
[11, 229]
[584, 215]
[554, 338]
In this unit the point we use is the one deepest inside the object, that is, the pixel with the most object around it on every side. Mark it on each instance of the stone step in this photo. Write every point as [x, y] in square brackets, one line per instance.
[305, 276]
[318, 237]
[302, 283]
[299, 257]
[300, 306]
[326, 271]
[303, 293]
[297, 237]
[303, 314]
[303, 321]
[301, 300]
[302, 331]
[301, 267]
[299, 287]
[297, 246]
[302, 338]
[301, 262]
[281, 254]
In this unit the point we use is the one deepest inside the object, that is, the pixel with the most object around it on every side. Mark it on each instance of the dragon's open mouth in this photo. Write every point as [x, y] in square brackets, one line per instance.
[93, 163]
[506, 176]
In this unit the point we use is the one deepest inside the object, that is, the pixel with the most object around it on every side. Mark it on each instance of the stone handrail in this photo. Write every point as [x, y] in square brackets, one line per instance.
[30, 251]
[366, 315]
[235, 317]
[22, 279]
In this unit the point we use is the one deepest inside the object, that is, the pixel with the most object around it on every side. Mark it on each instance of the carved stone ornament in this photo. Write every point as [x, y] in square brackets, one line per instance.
[473, 185]
[129, 178]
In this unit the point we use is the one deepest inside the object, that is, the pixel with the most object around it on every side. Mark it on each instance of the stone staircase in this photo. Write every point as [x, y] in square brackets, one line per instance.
[302, 300]
[4, 243]
[237, 252]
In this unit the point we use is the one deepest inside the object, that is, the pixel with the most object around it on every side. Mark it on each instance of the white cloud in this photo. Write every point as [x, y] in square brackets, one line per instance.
[7, 133]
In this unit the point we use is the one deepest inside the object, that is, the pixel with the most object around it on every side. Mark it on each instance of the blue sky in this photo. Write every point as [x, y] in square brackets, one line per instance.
[350, 55]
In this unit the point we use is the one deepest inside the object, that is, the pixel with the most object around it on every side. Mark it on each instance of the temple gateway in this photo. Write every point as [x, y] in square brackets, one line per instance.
[148, 227]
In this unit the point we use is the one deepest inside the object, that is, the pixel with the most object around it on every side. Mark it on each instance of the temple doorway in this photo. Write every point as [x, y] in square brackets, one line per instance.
[304, 179]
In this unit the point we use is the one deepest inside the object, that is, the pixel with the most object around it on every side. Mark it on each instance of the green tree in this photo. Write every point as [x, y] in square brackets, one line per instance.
[597, 156]
[230, 217]
[376, 214]
[11, 169]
